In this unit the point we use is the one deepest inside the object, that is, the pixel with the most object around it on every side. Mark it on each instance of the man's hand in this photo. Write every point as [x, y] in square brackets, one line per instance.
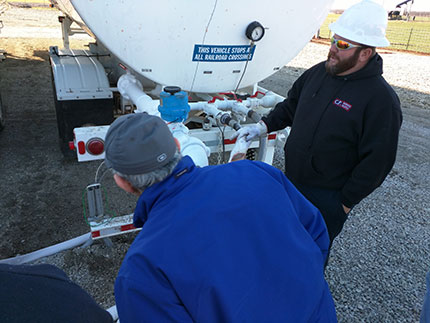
[346, 209]
[239, 150]
[250, 132]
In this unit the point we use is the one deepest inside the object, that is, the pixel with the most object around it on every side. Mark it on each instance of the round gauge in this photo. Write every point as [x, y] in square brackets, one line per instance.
[254, 31]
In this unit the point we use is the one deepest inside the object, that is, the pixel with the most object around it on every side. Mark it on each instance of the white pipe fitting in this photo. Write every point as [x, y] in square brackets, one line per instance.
[211, 109]
[269, 100]
[240, 108]
[214, 109]
[252, 102]
[197, 151]
[197, 106]
[190, 146]
[131, 89]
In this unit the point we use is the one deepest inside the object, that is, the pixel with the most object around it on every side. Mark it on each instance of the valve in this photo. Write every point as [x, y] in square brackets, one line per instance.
[174, 105]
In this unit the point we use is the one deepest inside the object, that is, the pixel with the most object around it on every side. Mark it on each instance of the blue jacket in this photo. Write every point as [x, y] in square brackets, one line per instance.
[228, 243]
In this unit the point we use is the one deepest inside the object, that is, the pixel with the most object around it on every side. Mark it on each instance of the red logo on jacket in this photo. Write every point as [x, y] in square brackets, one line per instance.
[344, 105]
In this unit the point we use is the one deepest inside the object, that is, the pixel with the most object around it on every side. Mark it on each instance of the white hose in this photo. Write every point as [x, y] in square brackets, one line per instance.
[113, 312]
[48, 251]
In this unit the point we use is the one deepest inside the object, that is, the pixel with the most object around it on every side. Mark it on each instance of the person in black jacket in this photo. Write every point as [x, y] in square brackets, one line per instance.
[344, 118]
[44, 293]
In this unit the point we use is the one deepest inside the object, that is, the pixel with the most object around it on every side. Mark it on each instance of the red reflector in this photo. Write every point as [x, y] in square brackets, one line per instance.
[81, 147]
[95, 234]
[229, 142]
[71, 145]
[127, 227]
[95, 146]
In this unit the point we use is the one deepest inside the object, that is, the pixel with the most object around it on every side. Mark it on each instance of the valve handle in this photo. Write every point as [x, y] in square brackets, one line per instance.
[172, 89]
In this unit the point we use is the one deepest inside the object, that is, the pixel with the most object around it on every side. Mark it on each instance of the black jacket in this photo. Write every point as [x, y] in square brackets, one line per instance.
[44, 293]
[344, 130]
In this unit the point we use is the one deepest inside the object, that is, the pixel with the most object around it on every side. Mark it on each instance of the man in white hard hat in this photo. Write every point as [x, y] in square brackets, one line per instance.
[344, 118]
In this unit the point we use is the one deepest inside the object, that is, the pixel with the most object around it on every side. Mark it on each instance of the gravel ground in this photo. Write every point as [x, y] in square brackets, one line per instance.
[378, 263]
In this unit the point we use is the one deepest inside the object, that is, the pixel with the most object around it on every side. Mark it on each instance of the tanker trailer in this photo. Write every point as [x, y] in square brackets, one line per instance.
[196, 64]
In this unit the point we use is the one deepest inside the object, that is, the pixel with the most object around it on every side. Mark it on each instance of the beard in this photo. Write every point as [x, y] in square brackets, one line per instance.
[342, 65]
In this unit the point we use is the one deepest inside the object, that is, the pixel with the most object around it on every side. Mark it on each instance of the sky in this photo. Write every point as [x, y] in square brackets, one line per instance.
[418, 5]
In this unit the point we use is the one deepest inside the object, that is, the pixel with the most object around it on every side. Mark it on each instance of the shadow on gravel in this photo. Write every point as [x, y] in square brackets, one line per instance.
[40, 191]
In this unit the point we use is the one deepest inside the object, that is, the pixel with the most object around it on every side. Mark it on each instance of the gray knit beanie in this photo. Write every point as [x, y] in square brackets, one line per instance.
[138, 143]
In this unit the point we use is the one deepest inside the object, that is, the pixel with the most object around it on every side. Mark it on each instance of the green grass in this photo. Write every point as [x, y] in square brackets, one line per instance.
[404, 35]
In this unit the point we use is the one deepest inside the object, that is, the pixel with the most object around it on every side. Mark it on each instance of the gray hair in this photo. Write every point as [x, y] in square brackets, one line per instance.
[143, 181]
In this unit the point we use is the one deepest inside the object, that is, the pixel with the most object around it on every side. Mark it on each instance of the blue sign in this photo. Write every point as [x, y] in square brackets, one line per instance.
[220, 53]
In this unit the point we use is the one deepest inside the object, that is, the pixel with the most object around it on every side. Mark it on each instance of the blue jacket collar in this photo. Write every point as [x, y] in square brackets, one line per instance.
[152, 194]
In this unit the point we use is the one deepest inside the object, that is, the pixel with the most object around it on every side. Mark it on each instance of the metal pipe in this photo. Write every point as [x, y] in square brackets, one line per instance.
[226, 119]
[254, 116]
[48, 251]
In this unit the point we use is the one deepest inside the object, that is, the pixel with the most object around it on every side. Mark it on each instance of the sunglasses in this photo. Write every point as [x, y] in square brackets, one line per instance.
[342, 44]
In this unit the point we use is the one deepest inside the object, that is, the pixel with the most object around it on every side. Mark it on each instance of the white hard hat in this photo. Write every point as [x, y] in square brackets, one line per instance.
[364, 23]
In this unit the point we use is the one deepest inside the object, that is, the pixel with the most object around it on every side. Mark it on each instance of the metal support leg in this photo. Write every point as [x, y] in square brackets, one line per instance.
[65, 30]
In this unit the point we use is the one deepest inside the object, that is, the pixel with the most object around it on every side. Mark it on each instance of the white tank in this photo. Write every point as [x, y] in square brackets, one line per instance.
[201, 45]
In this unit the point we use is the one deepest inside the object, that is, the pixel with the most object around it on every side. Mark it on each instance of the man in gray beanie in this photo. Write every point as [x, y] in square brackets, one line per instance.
[141, 151]
[234, 242]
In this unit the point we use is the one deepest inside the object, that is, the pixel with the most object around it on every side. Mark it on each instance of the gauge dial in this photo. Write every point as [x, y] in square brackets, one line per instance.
[255, 31]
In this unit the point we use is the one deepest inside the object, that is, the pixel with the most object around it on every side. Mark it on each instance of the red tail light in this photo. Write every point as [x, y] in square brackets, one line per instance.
[81, 147]
[95, 146]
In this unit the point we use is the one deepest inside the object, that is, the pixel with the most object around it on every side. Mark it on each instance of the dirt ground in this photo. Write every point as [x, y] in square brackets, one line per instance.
[41, 192]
